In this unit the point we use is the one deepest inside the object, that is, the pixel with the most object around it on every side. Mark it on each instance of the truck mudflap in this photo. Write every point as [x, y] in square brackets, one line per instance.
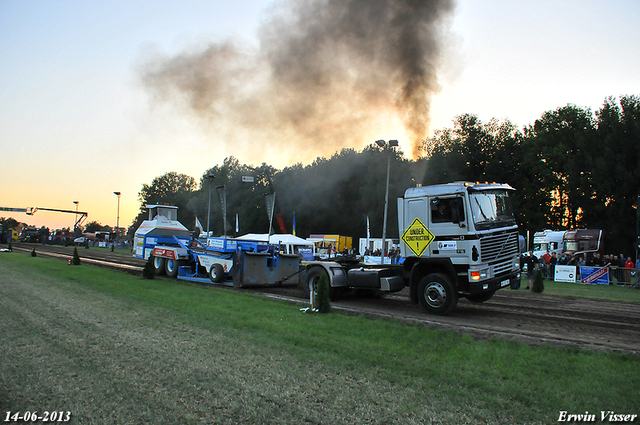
[264, 269]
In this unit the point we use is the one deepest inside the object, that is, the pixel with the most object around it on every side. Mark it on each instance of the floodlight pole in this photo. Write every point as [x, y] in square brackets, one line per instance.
[117, 213]
[210, 178]
[392, 144]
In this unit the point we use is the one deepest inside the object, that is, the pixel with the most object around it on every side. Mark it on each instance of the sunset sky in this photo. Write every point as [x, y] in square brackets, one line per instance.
[93, 100]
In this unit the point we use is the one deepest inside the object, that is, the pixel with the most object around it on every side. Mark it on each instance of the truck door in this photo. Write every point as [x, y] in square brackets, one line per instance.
[447, 223]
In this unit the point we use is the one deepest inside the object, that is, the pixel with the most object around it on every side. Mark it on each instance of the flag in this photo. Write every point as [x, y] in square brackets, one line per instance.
[294, 223]
[368, 232]
[237, 223]
[199, 225]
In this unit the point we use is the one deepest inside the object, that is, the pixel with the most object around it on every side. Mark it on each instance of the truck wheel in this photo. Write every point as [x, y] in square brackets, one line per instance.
[158, 265]
[216, 274]
[480, 298]
[171, 267]
[437, 294]
[312, 280]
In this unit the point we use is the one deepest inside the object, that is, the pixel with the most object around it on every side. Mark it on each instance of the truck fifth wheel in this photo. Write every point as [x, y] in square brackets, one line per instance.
[457, 239]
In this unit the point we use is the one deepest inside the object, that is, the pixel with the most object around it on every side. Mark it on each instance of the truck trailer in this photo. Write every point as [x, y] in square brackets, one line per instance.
[458, 240]
[237, 262]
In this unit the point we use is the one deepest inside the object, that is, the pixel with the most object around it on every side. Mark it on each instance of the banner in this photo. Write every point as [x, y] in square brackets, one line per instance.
[565, 274]
[368, 232]
[271, 201]
[294, 223]
[594, 275]
[199, 225]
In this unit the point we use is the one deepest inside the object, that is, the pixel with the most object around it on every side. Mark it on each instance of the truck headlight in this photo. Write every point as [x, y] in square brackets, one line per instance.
[480, 274]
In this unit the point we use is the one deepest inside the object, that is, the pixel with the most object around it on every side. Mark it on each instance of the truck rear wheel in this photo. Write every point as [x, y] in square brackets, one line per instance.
[437, 294]
[171, 267]
[158, 265]
[312, 280]
[216, 273]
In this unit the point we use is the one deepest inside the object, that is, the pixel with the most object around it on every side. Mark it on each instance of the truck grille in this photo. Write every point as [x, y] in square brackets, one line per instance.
[498, 247]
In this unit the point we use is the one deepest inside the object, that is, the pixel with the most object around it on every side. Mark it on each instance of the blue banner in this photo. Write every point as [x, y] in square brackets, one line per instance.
[594, 275]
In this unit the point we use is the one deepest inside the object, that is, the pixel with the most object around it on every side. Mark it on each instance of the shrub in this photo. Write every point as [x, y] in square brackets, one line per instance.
[538, 284]
[324, 304]
[76, 257]
[149, 272]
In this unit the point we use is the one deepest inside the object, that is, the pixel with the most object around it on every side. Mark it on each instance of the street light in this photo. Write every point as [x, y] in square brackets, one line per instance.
[76, 217]
[392, 144]
[118, 214]
[210, 178]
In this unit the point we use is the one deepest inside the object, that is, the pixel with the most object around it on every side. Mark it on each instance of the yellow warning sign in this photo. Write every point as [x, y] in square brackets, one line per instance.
[417, 237]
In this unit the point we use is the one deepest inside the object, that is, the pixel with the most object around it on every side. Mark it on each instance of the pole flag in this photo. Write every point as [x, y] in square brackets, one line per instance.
[368, 232]
[294, 223]
[199, 225]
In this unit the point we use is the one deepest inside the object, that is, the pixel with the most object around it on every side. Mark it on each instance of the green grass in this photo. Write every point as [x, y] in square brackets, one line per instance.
[118, 348]
[603, 292]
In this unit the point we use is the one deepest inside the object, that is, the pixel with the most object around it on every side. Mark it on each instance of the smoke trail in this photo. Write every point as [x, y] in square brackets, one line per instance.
[328, 74]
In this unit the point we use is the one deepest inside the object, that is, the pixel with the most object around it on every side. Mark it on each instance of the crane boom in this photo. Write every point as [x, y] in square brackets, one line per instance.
[32, 210]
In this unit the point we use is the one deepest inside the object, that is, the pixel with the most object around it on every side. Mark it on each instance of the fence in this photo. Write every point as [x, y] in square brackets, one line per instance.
[615, 275]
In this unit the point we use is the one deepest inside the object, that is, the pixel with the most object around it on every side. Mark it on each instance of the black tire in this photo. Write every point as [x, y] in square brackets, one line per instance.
[158, 265]
[480, 298]
[216, 273]
[171, 267]
[311, 283]
[437, 294]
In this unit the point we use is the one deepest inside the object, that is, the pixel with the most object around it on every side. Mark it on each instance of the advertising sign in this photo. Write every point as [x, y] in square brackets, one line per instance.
[565, 274]
[594, 275]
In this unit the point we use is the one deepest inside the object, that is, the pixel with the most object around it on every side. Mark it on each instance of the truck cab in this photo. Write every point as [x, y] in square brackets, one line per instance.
[459, 240]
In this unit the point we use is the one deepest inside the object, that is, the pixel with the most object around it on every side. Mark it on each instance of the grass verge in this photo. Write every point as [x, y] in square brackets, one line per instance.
[115, 348]
[603, 292]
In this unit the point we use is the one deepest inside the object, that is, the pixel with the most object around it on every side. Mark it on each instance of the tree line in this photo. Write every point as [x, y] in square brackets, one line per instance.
[572, 168]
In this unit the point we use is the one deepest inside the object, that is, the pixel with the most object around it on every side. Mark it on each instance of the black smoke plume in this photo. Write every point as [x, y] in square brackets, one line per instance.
[326, 74]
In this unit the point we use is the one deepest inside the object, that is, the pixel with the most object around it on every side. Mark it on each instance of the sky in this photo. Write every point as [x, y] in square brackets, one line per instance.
[102, 97]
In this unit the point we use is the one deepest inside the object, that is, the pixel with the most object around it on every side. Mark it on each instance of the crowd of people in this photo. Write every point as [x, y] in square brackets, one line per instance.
[622, 269]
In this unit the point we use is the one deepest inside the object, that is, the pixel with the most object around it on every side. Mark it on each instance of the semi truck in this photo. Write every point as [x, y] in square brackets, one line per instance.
[548, 240]
[578, 242]
[457, 240]
[583, 242]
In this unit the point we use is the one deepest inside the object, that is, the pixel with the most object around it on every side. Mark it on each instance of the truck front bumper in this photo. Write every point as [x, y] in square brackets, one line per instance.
[492, 285]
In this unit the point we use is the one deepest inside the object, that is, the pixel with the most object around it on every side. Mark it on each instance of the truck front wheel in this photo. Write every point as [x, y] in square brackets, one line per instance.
[437, 294]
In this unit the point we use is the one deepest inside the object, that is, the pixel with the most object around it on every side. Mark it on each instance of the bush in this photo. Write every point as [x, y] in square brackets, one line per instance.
[149, 272]
[538, 284]
[76, 257]
[324, 303]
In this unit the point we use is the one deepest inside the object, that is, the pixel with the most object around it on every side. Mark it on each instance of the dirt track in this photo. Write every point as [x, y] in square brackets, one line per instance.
[516, 315]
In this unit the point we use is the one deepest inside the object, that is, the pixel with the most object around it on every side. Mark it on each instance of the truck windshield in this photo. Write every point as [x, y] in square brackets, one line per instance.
[491, 209]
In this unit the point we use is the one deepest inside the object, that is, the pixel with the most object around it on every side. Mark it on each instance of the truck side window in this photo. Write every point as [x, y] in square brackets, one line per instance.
[441, 210]
[447, 210]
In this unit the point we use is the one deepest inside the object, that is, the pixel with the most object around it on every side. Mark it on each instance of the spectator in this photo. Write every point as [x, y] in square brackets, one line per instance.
[546, 258]
[531, 261]
[552, 265]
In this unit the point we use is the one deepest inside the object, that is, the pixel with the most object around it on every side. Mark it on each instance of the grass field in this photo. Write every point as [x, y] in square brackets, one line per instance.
[114, 348]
